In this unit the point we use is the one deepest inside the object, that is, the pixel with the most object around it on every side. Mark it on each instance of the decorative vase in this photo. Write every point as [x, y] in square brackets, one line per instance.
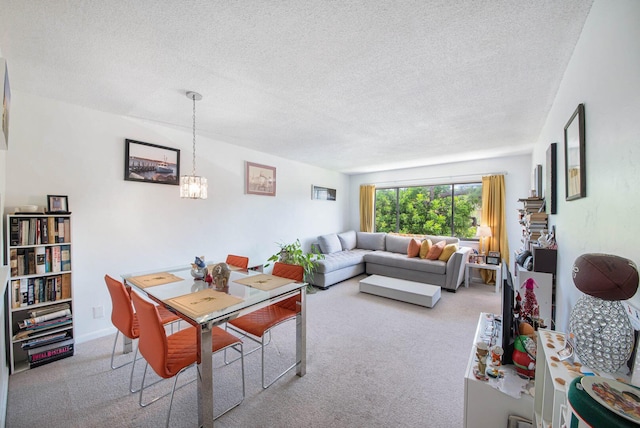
[602, 333]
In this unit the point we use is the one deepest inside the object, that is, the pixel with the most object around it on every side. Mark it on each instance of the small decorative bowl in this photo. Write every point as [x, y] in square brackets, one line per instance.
[28, 208]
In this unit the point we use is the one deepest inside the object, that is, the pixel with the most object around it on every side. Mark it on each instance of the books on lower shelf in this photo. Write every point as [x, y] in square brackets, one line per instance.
[41, 322]
[49, 353]
[45, 340]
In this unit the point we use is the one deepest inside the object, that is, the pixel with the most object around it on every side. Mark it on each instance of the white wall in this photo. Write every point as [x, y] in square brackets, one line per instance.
[517, 184]
[121, 226]
[604, 74]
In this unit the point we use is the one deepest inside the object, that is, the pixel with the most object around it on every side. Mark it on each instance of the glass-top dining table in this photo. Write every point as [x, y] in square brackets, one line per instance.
[205, 307]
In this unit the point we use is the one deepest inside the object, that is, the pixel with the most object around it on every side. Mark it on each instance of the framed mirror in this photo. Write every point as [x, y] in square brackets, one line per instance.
[574, 156]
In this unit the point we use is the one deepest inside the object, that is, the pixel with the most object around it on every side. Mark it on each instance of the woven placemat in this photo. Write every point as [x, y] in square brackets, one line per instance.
[203, 302]
[264, 282]
[153, 279]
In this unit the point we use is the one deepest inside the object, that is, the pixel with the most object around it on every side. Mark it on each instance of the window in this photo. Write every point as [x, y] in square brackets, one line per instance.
[443, 209]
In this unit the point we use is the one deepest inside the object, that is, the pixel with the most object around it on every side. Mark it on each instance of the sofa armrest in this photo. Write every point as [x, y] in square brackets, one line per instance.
[455, 268]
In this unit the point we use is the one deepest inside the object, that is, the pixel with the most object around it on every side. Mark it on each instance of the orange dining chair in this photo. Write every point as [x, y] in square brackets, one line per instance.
[238, 261]
[255, 325]
[171, 355]
[126, 321]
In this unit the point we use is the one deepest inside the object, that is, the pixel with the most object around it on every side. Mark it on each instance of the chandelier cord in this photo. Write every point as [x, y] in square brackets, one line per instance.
[193, 97]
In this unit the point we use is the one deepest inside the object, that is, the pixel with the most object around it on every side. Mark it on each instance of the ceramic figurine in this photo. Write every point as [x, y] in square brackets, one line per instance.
[198, 268]
[220, 274]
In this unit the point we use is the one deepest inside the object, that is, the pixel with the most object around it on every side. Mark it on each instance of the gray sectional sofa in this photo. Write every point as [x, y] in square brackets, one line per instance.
[352, 253]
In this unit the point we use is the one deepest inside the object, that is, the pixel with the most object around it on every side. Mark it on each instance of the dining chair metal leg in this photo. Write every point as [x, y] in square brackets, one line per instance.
[238, 348]
[265, 386]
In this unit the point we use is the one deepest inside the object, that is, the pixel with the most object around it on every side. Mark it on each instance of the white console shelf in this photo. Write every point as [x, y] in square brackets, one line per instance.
[553, 377]
[485, 406]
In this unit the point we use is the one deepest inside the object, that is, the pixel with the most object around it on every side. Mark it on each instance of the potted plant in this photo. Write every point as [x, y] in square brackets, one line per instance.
[292, 254]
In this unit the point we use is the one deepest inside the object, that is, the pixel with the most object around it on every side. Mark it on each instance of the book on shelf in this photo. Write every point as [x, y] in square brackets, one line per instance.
[40, 320]
[14, 231]
[66, 286]
[60, 229]
[45, 325]
[45, 340]
[51, 359]
[32, 231]
[49, 309]
[40, 256]
[51, 228]
[31, 261]
[13, 261]
[56, 259]
[65, 258]
[47, 259]
[67, 230]
[24, 292]
[22, 257]
[52, 352]
[44, 231]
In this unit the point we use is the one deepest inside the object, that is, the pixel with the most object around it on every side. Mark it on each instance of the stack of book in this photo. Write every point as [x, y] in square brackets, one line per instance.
[44, 319]
[52, 352]
[533, 219]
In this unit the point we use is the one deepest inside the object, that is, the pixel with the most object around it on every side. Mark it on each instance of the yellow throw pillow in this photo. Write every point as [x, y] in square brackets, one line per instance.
[414, 248]
[436, 250]
[425, 247]
[447, 252]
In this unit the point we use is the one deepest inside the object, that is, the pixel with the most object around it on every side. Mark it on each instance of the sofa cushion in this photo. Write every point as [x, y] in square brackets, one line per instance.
[414, 248]
[370, 240]
[447, 252]
[425, 247]
[329, 243]
[386, 258]
[436, 250]
[397, 244]
[446, 239]
[348, 239]
[340, 260]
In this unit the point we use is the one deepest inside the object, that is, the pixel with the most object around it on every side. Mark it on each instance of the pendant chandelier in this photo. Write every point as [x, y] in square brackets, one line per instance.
[193, 186]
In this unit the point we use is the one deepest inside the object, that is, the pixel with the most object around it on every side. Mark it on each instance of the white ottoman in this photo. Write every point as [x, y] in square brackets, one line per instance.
[401, 289]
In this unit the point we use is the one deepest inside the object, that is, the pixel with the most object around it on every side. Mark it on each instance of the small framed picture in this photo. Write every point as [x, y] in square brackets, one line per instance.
[57, 204]
[260, 179]
[480, 259]
[491, 260]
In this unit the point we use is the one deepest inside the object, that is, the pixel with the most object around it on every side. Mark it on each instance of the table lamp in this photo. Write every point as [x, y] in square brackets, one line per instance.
[483, 232]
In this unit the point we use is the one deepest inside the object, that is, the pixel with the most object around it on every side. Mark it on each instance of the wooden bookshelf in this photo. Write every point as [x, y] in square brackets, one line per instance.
[39, 295]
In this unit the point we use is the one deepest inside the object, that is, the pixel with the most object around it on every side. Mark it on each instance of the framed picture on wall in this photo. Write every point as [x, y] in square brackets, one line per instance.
[551, 186]
[574, 156]
[323, 193]
[260, 179]
[5, 97]
[151, 163]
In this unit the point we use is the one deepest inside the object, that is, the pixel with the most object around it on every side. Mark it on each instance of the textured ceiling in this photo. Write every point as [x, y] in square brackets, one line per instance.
[351, 86]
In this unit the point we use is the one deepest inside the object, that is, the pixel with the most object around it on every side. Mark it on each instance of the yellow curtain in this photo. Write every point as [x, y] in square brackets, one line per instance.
[493, 215]
[367, 207]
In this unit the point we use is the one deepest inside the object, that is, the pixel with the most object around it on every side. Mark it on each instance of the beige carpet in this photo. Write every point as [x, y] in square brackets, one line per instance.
[371, 362]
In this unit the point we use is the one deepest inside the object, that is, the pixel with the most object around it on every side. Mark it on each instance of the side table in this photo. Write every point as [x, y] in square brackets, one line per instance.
[497, 268]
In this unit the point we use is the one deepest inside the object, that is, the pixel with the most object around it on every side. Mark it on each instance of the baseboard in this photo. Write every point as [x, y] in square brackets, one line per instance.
[95, 335]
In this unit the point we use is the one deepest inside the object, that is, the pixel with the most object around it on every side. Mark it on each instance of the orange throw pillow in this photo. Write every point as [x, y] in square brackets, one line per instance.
[414, 248]
[425, 247]
[436, 250]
